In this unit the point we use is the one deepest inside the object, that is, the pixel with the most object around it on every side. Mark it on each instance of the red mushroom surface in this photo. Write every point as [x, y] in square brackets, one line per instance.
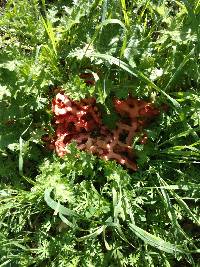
[79, 120]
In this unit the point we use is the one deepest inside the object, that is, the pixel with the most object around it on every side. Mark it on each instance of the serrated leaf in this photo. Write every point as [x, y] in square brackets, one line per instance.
[4, 92]
[10, 65]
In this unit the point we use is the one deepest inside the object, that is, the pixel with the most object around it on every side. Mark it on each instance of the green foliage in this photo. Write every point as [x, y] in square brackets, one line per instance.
[79, 210]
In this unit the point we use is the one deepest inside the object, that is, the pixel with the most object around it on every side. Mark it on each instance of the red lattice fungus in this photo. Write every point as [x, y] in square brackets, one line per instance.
[81, 121]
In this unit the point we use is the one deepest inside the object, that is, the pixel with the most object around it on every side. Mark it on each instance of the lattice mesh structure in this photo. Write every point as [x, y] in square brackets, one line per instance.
[81, 121]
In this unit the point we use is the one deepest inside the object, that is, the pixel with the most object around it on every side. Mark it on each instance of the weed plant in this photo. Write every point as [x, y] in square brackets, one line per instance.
[80, 210]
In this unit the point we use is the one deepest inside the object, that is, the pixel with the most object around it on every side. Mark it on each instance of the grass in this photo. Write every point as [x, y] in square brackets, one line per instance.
[83, 211]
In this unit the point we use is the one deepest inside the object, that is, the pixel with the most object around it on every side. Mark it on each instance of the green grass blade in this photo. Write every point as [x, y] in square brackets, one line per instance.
[121, 64]
[104, 10]
[108, 247]
[177, 136]
[170, 210]
[182, 203]
[99, 28]
[21, 144]
[124, 66]
[112, 21]
[92, 235]
[67, 222]
[49, 29]
[126, 18]
[5, 263]
[155, 241]
[21, 161]
[185, 60]
[57, 207]
[122, 235]
[154, 86]
[117, 204]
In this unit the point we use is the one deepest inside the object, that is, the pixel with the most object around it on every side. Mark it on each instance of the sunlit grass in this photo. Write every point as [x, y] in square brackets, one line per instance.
[80, 210]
